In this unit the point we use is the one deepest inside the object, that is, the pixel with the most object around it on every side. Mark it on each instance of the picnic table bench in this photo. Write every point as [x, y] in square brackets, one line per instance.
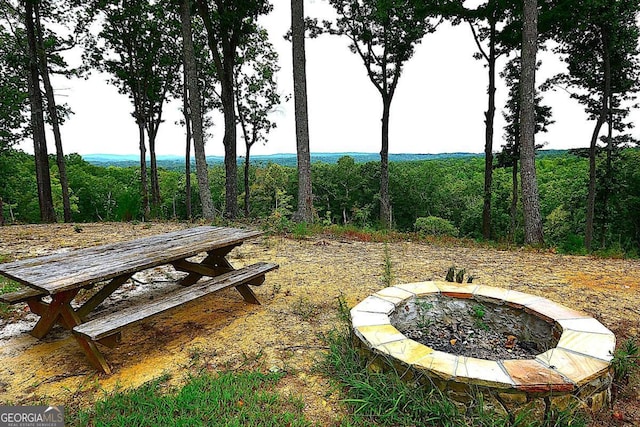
[54, 281]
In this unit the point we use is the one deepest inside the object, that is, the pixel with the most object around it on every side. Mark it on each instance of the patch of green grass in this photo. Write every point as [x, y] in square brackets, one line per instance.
[386, 399]
[7, 286]
[305, 230]
[226, 399]
[382, 398]
[305, 308]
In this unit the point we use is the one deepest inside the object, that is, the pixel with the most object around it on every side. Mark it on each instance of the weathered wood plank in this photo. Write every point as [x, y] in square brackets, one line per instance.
[21, 296]
[59, 272]
[192, 267]
[125, 255]
[247, 294]
[104, 326]
[164, 242]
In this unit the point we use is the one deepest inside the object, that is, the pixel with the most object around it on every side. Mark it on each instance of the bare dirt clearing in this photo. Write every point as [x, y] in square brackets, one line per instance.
[299, 302]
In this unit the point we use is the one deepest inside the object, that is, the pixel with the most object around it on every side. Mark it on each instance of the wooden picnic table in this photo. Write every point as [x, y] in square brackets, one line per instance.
[54, 281]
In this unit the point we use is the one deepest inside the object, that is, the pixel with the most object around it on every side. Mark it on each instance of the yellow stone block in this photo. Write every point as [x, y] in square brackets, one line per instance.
[394, 295]
[379, 334]
[420, 288]
[407, 351]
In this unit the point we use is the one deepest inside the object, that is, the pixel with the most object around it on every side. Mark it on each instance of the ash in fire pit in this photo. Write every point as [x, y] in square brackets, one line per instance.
[473, 329]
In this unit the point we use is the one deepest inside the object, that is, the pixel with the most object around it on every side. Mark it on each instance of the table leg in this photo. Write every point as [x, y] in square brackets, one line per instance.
[101, 295]
[92, 352]
[59, 306]
[224, 265]
[89, 348]
[49, 311]
[215, 264]
[248, 294]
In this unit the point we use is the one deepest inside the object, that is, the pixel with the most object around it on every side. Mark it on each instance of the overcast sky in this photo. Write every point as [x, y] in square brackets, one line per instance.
[438, 106]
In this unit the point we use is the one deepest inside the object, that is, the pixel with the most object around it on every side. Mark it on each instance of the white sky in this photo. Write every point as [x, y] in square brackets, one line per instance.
[438, 106]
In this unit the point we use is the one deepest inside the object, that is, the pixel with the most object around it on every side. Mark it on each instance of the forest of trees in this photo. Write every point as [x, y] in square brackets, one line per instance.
[213, 55]
[346, 194]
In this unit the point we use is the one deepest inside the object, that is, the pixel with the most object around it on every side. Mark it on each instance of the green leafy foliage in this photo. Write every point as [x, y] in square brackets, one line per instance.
[626, 361]
[346, 197]
[435, 226]
[424, 317]
[256, 95]
[13, 85]
[384, 35]
[478, 312]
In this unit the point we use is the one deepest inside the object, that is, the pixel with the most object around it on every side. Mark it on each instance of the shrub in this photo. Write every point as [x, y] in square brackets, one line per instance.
[626, 361]
[573, 244]
[557, 226]
[435, 226]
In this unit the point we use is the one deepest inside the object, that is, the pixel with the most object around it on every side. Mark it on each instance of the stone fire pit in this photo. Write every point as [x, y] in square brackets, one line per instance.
[575, 365]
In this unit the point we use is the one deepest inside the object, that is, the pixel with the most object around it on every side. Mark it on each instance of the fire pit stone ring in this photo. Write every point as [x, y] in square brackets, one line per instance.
[577, 367]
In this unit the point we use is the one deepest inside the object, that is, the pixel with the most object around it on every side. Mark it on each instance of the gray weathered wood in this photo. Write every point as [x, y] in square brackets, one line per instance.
[21, 296]
[60, 272]
[110, 324]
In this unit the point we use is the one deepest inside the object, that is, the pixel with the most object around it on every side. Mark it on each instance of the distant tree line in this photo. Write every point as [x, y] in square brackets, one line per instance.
[213, 55]
[346, 193]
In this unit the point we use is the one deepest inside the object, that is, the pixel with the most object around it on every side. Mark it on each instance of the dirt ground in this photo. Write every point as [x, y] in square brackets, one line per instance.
[299, 303]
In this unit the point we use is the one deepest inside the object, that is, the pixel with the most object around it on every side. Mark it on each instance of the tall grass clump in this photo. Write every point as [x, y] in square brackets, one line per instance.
[381, 398]
[387, 275]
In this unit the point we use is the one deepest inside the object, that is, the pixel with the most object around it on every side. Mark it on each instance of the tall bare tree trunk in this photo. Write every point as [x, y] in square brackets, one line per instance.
[533, 234]
[602, 118]
[43, 177]
[229, 139]
[514, 200]
[155, 183]
[187, 156]
[305, 192]
[385, 200]
[53, 115]
[248, 143]
[225, 65]
[1, 212]
[195, 111]
[247, 187]
[488, 144]
[143, 171]
[608, 179]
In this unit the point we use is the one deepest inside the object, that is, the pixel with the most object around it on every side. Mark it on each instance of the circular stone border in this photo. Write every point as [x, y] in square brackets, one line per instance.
[578, 365]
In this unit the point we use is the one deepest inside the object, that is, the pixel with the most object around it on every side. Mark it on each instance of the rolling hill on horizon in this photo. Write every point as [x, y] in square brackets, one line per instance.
[284, 159]
[175, 162]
